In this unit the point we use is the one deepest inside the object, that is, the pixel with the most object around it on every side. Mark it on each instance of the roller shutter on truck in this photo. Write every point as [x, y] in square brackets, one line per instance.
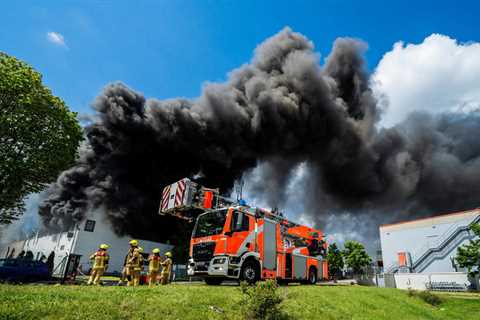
[270, 245]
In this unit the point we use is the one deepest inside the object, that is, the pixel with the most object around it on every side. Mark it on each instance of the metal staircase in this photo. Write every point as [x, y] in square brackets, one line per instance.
[449, 240]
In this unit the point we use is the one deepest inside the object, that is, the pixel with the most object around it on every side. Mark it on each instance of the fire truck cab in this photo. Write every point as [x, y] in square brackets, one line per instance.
[250, 244]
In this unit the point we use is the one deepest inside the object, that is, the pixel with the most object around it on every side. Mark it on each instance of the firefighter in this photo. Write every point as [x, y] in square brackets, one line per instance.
[137, 266]
[166, 269]
[153, 267]
[128, 268]
[100, 264]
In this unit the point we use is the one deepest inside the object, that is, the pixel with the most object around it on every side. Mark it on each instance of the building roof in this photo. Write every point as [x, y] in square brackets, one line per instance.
[438, 219]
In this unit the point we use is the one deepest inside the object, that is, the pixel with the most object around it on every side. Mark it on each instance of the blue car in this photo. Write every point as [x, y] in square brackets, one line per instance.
[21, 270]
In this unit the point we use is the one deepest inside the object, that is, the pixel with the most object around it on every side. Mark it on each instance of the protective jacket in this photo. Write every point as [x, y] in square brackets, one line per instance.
[100, 259]
[167, 265]
[128, 256]
[136, 261]
[153, 262]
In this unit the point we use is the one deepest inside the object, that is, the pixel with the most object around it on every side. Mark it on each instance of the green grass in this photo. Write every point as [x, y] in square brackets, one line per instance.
[203, 302]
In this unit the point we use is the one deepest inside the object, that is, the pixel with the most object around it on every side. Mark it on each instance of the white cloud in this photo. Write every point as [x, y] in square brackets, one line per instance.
[56, 38]
[436, 75]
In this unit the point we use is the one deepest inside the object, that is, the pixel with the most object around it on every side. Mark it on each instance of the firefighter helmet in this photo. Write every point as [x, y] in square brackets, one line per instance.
[134, 243]
[104, 246]
[168, 254]
[156, 250]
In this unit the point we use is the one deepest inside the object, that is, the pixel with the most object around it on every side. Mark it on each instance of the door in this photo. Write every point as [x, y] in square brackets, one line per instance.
[270, 245]
[242, 237]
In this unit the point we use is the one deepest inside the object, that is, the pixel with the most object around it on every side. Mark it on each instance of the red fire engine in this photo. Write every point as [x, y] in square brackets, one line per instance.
[236, 241]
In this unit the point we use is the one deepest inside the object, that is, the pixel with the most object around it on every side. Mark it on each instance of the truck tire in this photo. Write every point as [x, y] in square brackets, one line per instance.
[250, 272]
[213, 281]
[312, 276]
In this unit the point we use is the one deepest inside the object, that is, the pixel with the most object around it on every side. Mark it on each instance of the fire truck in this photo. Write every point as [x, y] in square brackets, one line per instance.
[232, 240]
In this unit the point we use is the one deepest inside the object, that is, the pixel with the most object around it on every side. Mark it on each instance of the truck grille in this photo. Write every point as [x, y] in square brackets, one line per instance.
[203, 251]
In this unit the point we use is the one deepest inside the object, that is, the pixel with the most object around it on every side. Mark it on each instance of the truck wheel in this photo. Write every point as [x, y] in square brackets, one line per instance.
[312, 276]
[250, 272]
[213, 281]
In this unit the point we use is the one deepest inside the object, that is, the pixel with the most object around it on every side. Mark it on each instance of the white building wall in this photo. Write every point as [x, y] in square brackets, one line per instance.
[444, 264]
[88, 242]
[416, 237]
[60, 243]
[84, 243]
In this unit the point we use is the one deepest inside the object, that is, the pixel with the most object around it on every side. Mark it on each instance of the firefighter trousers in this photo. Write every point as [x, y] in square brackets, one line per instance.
[135, 278]
[130, 271]
[165, 278]
[123, 276]
[95, 275]
[152, 278]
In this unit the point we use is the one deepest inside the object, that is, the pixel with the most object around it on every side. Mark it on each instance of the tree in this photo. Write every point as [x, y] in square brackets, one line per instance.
[335, 261]
[39, 136]
[356, 258]
[468, 255]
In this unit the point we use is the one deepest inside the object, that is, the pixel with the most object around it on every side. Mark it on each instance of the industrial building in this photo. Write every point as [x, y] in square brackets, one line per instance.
[79, 243]
[427, 247]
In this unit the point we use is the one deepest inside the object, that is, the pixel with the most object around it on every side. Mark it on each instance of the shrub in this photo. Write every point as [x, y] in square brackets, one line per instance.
[427, 296]
[430, 298]
[262, 301]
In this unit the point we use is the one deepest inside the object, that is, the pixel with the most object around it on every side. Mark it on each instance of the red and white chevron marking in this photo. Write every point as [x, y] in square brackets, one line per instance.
[180, 191]
[165, 196]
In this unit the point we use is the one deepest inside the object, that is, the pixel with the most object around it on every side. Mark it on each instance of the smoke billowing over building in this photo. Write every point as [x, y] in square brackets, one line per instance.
[282, 111]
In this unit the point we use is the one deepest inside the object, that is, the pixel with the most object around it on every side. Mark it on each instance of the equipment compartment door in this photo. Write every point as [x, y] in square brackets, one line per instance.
[300, 267]
[270, 245]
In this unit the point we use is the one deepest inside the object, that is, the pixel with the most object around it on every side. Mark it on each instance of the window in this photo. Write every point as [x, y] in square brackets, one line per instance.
[89, 225]
[240, 222]
[209, 224]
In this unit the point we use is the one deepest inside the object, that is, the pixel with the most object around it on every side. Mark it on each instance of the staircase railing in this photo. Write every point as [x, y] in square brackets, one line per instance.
[450, 234]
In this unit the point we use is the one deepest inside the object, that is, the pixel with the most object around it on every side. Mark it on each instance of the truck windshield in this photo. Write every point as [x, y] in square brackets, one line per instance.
[210, 223]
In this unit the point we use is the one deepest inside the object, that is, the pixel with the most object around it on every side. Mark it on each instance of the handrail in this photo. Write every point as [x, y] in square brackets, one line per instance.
[445, 239]
[435, 243]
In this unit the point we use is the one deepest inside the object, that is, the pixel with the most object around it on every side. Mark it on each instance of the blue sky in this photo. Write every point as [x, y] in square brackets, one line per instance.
[168, 49]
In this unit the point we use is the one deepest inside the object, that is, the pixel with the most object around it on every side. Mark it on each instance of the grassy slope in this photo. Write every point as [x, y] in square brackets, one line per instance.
[193, 302]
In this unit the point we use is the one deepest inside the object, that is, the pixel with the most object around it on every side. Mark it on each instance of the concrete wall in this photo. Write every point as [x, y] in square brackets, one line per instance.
[419, 281]
[415, 237]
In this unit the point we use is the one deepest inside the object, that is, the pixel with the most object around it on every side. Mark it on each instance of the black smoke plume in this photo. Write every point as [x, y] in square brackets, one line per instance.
[280, 110]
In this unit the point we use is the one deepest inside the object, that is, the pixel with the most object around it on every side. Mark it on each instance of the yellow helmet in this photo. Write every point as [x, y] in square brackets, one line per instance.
[133, 243]
[104, 246]
[168, 254]
[156, 250]
[140, 249]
